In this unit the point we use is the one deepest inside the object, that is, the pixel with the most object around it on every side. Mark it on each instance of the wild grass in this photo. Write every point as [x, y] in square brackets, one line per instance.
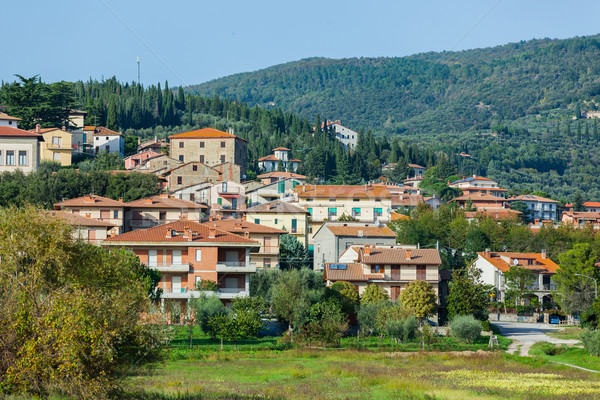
[570, 355]
[358, 374]
[568, 333]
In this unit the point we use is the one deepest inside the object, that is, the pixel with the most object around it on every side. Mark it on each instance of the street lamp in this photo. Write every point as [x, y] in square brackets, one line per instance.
[595, 283]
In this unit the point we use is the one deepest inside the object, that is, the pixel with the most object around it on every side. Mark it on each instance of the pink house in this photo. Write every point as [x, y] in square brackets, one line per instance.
[132, 162]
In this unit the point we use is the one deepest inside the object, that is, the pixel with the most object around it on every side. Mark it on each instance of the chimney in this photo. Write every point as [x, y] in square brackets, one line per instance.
[212, 232]
[237, 225]
[164, 195]
[148, 201]
[64, 128]
[247, 234]
[120, 199]
[408, 254]
[367, 250]
[139, 141]
[487, 252]
[244, 218]
[186, 231]
[38, 128]
[536, 221]
[571, 212]
[210, 218]
[544, 255]
[88, 199]
[169, 233]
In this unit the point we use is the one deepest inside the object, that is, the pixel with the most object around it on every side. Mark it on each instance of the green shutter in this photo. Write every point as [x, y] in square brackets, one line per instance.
[309, 210]
[281, 187]
[220, 201]
[294, 223]
[257, 221]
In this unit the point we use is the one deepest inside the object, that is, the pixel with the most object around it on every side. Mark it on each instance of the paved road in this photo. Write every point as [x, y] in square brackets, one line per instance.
[526, 334]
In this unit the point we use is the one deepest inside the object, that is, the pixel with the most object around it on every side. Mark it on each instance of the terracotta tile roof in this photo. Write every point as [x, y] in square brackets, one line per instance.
[352, 273]
[399, 256]
[586, 204]
[355, 230]
[416, 166]
[473, 188]
[8, 131]
[89, 201]
[588, 215]
[79, 220]
[504, 213]
[479, 197]
[342, 191]
[530, 197]
[295, 160]
[89, 128]
[281, 174]
[239, 226]
[6, 117]
[406, 200]
[205, 133]
[399, 217]
[277, 206]
[161, 201]
[281, 148]
[158, 234]
[540, 264]
[102, 131]
[270, 157]
[168, 171]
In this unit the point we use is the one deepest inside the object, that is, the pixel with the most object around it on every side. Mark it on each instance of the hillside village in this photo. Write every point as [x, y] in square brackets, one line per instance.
[211, 224]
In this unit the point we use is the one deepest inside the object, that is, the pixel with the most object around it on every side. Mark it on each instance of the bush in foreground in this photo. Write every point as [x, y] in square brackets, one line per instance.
[465, 328]
[591, 342]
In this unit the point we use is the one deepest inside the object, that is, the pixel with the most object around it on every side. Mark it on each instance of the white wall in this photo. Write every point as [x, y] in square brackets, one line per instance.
[115, 144]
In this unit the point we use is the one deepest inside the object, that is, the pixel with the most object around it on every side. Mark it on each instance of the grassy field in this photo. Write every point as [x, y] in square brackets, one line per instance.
[570, 355]
[568, 333]
[352, 374]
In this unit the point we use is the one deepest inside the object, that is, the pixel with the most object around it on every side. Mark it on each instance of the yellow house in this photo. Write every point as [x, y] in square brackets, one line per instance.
[281, 215]
[57, 146]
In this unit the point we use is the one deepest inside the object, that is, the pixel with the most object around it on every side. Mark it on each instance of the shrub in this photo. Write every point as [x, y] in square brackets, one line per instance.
[465, 328]
[486, 326]
[373, 294]
[525, 310]
[591, 342]
[411, 327]
[394, 329]
[205, 306]
[550, 349]
[419, 298]
[367, 317]
[590, 318]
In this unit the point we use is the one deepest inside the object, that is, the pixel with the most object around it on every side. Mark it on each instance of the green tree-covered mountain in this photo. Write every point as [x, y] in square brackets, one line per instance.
[430, 92]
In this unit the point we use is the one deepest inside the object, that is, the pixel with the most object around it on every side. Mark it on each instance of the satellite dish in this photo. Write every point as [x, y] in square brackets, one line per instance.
[515, 262]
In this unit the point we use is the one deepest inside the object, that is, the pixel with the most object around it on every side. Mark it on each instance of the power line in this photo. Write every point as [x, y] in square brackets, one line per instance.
[475, 25]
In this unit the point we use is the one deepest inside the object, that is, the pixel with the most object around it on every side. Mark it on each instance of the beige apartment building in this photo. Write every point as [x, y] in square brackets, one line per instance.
[97, 207]
[209, 146]
[161, 209]
[19, 150]
[57, 145]
[281, 215]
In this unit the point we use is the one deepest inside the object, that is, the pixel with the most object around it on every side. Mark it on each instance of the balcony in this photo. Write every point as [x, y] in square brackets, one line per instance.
[543, 288]
[176, 293]
[232, 190]
[229, 266]
[231, 293]
[180, 267]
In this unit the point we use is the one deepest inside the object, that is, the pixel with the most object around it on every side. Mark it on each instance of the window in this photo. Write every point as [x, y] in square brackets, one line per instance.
[332, 211]
[331, 199]
[116, 214]
[222, 158]
[421, 272]
[181, 157]
[162, 215]
[309, 211]
[222, 144]
[107, 138]
[267, 263]
[194, 167]
[257, 221]
[220, 201]
[10, 157]
[310, 229]
[377, 212]
[377, 269]
[356, 200]
[176, 257]
[55, 156]
[152, 258]
[192, 197]
[224, 187]
[294, 225]
[309, 199]
[179, 180]
[280, 187]
[181, 145]
[105, 214]
[198, 255]
[379, 200]
[56, 141]
[356, 212]
[22, 157]
[1, 159]
[201, 145]
[202, 158]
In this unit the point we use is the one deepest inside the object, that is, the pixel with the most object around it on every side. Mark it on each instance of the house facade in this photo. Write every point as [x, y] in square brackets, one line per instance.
[392, 269]
[272, 177]
[161, 209]
[105, 139]
[282, 215]
[281, 155]
[478, 185]
[418, 170]
[581, 219]
[89, 230]
[19, 150]
[480, 201]
[282, 189]
[96, 207]
[186, 253]
[540, 207]
[493, 266]
[209, 146]
[267, 256]
[136, 160]
[158, 164]
[57, 145]
[189, 174]
[7, 120]
[332, 239]
[344, 135]
[226, 199]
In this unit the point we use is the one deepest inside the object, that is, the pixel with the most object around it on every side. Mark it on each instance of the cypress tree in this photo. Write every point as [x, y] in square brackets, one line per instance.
[111, 117]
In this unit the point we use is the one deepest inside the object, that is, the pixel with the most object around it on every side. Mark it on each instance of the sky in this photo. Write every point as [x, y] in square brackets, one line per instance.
[191, 42]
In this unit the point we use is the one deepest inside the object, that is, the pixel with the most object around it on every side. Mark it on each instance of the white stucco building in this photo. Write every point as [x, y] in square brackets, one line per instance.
[7, 120]
[346, 136]
[280, 154]
[109, 140]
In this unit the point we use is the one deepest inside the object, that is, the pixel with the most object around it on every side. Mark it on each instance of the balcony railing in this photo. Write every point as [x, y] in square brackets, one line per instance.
[229, 266]
[545, 287]
[175, 290]
[179, 267]
[229, 190]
